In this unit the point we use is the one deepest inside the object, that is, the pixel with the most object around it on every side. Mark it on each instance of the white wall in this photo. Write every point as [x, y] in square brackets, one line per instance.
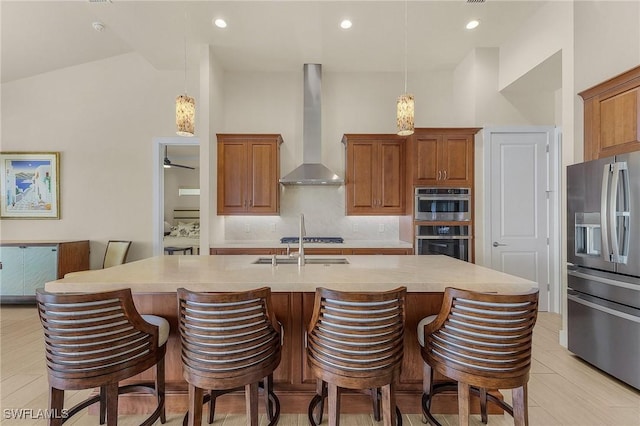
[101, 117]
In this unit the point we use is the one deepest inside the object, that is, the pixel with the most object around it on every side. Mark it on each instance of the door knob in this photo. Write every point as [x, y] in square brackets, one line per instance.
[497, 244]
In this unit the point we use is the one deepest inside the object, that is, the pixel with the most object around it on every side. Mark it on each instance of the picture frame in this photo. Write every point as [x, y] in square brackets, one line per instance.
[30, 185]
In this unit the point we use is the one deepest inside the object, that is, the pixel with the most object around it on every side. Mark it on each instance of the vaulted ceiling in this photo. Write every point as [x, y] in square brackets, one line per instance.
[41, 36]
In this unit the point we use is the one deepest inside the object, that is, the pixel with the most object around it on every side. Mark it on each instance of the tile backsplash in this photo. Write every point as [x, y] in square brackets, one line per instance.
[324, 214]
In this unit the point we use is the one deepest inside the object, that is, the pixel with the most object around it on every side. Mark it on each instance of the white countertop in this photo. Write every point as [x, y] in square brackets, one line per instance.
[237, 273]
[278, 244]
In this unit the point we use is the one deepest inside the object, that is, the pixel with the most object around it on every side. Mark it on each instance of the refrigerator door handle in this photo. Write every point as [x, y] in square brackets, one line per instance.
[601, 308]
[613, 213]
[603, 280]
[604, 223]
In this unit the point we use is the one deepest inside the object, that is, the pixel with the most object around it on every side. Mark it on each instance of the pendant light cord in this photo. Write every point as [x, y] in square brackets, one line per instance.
[405, 45]
[184, 36]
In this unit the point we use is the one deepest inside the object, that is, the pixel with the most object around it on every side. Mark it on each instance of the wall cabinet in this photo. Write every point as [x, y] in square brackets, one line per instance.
[612, 116]
[442, 156]
[26, 266]
[248, 173]
[375, 174]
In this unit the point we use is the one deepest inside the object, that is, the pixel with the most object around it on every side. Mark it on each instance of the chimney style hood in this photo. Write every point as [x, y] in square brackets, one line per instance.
[312, 171]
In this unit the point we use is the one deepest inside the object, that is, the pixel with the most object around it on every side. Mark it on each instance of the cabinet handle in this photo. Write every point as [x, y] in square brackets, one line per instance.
[439, 174]
[250, 203]
[445, 175]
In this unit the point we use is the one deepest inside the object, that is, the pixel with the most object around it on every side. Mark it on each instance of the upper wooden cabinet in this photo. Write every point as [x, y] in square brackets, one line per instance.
[442, 156]
[248, 172]
[612, 116]
[375, 169]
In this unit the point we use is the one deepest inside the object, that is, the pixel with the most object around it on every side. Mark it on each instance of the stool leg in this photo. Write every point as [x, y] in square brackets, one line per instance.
[375, 399]
[427, 387]
[389, 405]
[56, 401]
[195, 406]
[268, 388]
[212, 405]
[103, 404]
[112, 404]
[334, 405]
[520, 406]
[160, 389]
[463, 404]
[251, 398]
[483, 405]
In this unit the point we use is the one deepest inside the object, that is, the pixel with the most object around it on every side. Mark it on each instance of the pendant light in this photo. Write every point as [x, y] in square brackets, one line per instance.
[405, 106]
[185, 104]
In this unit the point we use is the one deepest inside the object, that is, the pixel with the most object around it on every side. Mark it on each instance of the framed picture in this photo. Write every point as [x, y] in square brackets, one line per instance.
[30, 185]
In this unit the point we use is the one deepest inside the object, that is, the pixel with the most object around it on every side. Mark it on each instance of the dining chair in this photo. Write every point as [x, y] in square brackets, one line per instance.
[116, 253]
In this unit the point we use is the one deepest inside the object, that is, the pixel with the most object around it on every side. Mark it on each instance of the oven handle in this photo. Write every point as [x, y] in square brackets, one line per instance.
[453, 197]
[604, 309]
[603, 280]
[442, 237]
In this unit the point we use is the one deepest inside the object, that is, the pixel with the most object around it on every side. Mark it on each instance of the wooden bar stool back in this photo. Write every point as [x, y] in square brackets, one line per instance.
[355, 341]
[229, 341]
[482, 341]
[95, 340]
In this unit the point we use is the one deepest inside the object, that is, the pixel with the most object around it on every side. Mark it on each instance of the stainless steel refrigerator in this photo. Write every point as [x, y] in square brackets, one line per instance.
[603, 251]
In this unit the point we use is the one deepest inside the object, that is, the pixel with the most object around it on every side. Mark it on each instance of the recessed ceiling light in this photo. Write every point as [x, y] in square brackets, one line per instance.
[472, 24]
[220, 23]
[345, 24]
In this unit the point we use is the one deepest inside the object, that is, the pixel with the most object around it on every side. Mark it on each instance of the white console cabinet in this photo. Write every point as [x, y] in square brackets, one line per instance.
[26, 266]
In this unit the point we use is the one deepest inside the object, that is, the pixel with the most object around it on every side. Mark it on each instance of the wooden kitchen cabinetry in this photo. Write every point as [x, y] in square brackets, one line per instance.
[28, 265]
[375, 169]
[248, 173]
[612, 116]
[442, 156]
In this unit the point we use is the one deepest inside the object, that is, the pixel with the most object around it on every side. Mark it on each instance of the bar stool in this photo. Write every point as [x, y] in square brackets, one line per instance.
[97, 340]
[355, 341]
[481, 341]
[229, 341]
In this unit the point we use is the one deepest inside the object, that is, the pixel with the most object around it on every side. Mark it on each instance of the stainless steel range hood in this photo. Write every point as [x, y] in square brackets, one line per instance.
[312, 171]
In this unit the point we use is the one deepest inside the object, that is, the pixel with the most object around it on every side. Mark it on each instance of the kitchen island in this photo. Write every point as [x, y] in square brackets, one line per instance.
[154, 282]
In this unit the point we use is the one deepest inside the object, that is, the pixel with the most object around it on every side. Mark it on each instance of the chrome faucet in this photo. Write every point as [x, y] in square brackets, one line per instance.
[303, 233]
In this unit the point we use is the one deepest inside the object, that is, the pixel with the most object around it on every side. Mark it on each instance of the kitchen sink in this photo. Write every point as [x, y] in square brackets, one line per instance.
[308, 261]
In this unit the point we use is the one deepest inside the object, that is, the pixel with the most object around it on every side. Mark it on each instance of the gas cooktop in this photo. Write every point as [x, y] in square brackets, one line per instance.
[328, 240]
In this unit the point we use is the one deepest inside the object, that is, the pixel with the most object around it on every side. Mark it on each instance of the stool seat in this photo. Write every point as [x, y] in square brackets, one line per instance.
[163, 327]
[424, 321]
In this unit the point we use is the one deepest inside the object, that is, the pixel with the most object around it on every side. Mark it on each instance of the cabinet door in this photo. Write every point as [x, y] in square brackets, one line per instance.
[262, 177]
[40, 266]
[618, 124]
[391, 178]
[12, 271]
[362, 163]
[457, 160]
[425, 157]
[232, 177]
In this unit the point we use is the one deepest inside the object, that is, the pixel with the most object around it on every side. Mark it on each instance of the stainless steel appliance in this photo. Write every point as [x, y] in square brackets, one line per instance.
[603, 251]
[450, 240]
[443, 204]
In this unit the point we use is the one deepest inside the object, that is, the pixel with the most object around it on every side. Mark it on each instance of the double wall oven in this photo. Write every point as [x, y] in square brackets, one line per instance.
[443, 222]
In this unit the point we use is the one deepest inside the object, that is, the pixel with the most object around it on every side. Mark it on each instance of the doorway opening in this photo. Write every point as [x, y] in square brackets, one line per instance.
[174, 188]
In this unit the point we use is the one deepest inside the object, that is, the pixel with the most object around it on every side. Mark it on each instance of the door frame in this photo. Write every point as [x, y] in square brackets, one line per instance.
[158, 187]
[554, 207]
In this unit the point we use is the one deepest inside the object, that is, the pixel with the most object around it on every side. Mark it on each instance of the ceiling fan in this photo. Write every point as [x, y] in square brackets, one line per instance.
[168, 164]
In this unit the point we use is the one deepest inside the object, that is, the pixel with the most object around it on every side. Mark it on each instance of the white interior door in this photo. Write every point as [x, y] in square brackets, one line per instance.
[519, 180]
